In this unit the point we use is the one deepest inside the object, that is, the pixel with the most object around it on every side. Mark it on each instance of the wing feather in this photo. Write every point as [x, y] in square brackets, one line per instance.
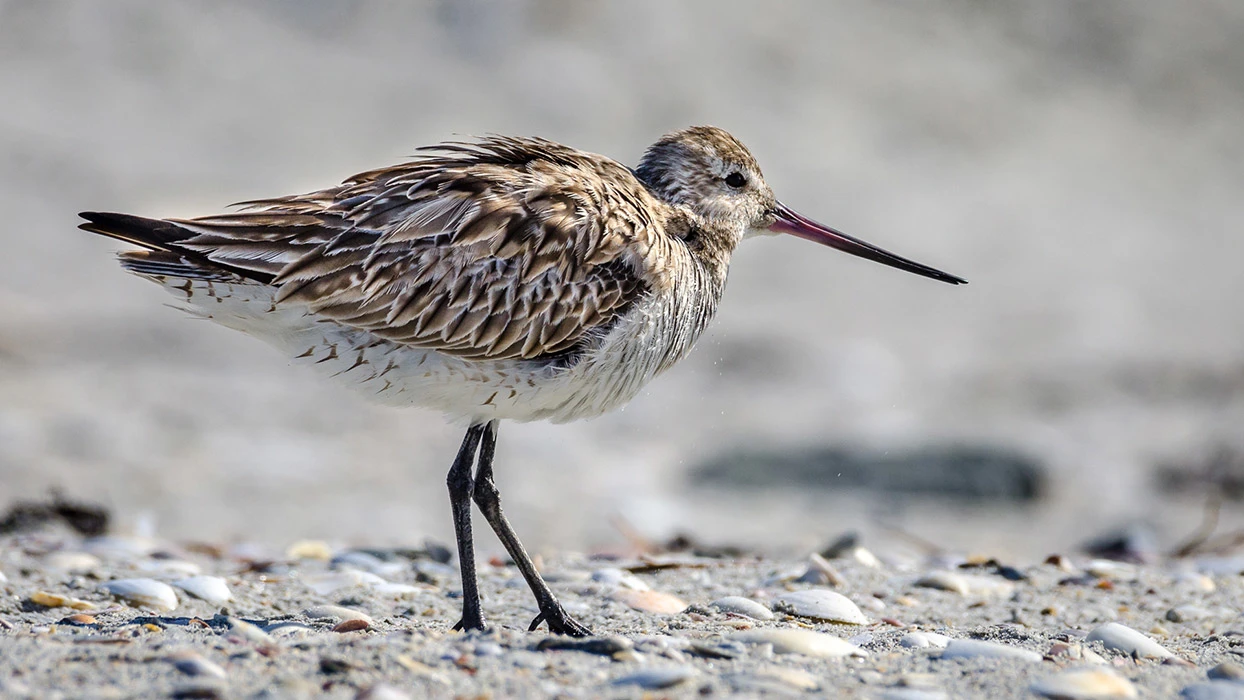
[500, 249]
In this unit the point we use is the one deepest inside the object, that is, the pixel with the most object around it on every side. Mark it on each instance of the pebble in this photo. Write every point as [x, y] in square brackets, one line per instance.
[1085, 684]
[56, 600]
[924, 640]
[800, 641]
[192, 664]
[1128, 641]
[658, 678]
[649, 601]
[309, 549]
[395, 590]
[351, 626]
[212, 589]
[603, 646]
[70, 562]
[323, 584]
[337, 612]
[618, 578]
[739, 605]
[1227, 671]
[1187, 613]
[1196, 582]
[1116, 570]
[169, 568]
[1213, 690]
[977, 649]
[966, 584]
[143, 592]
[821, 572]
[820, 604]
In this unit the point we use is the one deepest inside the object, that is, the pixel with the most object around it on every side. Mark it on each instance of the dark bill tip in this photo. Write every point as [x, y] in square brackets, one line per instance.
[794, 223]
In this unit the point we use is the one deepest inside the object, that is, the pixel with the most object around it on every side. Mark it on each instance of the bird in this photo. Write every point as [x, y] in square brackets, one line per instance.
[491, 278]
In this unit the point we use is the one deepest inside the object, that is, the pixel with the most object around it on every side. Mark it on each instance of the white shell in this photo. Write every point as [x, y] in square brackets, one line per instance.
[741, 606]
[324, 584]
[800, 641]
[966, 584]
[336, 612]
[1129, 641]
[193, 664]
[212, 589]
[924, 640]
[820, 604]
[143, 592]
[1085, 684]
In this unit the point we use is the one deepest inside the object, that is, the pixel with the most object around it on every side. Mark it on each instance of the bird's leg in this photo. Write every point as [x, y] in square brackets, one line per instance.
[461, 488]
[488, 498]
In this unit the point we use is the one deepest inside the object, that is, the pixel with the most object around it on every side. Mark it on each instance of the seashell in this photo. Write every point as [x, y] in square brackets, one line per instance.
[800, 641]
[354, 625]
[966, 584]
[1085, 684]
[56, 600]
[617, 578]
[143, 592]
[244, 630]
[739, 605]
[1127, 640]
[193, 664]
[324, 584]
[309, 549]
[924, 640]
[649, 601]
[337, 612]
[820, 604]
[212, 589]
[71, 562]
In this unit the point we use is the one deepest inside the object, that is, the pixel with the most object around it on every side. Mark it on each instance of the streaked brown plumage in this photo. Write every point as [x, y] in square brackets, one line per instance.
[502, 278]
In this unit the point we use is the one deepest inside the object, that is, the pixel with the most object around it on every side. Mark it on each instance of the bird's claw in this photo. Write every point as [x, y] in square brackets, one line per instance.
[559, 623]
[474, 626]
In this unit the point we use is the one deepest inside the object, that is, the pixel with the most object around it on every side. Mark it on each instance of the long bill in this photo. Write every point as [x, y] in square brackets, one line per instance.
[792, 222]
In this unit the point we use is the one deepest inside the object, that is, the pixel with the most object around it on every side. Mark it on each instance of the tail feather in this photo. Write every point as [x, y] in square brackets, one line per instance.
[165, 256]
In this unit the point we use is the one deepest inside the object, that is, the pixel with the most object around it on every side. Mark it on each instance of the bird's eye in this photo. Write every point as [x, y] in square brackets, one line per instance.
[736, 180]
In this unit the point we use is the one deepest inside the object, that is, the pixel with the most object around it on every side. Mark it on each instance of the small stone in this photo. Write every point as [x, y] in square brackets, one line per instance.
[351, 625]
[1213, 690]
[649, 601]
[80, 619]
[821, 572]
[604, 646]
[212, 589]
[800, 641]
[1187, 613]
[1124, 639]
[658, 678]
[289, 630]
[1227, 671]
[924, 640]
[1109, 569]
[372, 564]
[1085, 684]
[309, 549]
[338, 612]
[56, 600]
[192, 664]
[739, 605]
[143, 593]
[820, 604]
[1196, 582]
[977, 649]
[168, 568]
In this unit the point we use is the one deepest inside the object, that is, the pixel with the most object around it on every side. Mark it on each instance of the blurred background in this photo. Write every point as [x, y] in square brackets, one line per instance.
[1080, 163]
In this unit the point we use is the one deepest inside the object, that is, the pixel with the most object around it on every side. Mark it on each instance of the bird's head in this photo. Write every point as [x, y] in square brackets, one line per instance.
[711, 173]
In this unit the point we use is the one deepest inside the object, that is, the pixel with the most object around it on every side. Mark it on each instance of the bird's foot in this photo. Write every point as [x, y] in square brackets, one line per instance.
[471, 623]
[559, 622]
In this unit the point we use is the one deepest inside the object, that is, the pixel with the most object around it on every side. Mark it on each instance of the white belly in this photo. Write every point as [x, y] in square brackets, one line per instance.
[650, 338]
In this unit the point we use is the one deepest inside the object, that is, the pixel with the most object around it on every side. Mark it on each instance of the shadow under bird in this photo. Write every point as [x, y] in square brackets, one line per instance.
[503, 278]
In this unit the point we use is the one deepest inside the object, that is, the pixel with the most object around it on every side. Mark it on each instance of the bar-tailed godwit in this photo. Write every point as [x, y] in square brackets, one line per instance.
[504, 278]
